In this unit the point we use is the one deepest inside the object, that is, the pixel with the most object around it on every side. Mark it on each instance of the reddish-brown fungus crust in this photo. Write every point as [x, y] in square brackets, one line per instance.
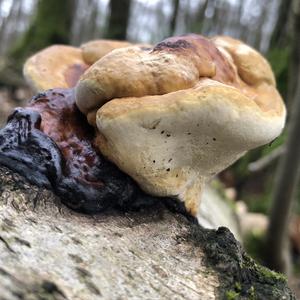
[51, 144]
[66, 126]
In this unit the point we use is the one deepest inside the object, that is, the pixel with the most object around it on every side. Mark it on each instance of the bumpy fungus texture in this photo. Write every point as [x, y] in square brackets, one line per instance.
[94, 50]
[170, 116]
[51, 144]
[60, 66]
[175, 115]
[57, 66]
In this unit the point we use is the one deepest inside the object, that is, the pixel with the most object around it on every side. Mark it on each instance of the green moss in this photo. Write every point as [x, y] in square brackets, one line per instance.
[262, 271]
[238, 286]
[267, 273]
[251, 293]
[240, 276]
[232, 295]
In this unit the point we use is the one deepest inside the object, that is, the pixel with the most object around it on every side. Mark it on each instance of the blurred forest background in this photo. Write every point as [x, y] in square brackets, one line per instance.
[270, 26]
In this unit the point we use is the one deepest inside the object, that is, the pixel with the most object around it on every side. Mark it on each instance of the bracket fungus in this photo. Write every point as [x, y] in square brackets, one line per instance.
[51, 144]
[175, 115]
[57, 66]
[162, 120]
[60, 66]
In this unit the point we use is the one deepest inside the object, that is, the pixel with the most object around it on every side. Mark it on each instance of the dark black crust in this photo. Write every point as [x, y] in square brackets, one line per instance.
[25, 149]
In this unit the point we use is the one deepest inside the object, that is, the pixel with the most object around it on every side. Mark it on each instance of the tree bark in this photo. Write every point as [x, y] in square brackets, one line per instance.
[50, 252]
[118, 19]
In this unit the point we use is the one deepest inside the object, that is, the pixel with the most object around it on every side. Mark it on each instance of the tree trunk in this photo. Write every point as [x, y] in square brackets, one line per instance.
[175, 5]
[50, 25]
[288, 175]
[9, 21]
[280, 49]
[48, 251]
[280, 35]
[294, 65]
[197, 23]
[118, 19]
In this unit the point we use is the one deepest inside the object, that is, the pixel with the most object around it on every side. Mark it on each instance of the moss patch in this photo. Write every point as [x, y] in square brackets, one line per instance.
[240, 276]
[232, 295]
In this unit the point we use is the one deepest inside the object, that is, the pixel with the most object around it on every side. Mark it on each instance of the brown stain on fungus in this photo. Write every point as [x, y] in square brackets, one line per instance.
[204, 53]
[73, 73]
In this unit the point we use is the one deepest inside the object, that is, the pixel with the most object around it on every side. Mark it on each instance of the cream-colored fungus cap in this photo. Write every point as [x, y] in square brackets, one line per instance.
[57, 66]
[60, 66]
[175, 115]
[94, 50]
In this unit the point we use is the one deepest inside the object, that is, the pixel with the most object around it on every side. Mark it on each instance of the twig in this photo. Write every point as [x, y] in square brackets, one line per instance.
[265, 161]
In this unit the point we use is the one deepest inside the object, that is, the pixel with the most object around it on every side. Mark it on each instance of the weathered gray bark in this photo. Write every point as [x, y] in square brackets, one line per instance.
[50, 252]
[121, 256]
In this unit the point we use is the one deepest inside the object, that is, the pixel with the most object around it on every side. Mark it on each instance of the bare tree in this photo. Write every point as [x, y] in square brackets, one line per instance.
[118, 19]
[280, 33]
[50, 25]
[288, 173]
[175, 6]
[13, 16]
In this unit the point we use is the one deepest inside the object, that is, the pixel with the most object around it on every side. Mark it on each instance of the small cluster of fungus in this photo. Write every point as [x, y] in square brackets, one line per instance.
[125, 119]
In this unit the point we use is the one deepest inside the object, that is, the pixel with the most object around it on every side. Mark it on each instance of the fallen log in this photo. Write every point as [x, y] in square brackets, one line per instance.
[50, 252]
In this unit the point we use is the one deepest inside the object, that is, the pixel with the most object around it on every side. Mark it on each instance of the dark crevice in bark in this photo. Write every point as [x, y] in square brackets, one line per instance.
[36, 290]
[4, 241]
